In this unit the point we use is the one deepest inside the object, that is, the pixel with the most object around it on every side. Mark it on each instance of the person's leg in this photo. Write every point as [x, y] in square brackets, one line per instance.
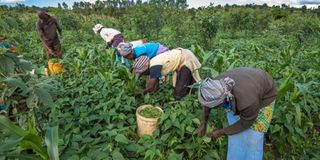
[57, 50]
[48, 51]
[184, 79]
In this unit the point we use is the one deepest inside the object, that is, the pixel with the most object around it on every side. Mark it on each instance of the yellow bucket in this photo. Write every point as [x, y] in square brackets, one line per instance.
[146, 125]
[55, 67]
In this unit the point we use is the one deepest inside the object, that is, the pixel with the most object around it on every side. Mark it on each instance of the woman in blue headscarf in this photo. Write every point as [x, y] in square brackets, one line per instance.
[150, 50]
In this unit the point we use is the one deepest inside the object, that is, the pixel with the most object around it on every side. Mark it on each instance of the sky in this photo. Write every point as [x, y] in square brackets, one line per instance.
[192, 3]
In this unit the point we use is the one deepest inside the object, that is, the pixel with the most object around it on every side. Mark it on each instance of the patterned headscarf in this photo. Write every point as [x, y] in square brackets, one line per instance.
[212, 93]
[124, 48]
[140, 65]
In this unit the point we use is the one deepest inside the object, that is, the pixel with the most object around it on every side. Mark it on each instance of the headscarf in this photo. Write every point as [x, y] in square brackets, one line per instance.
[124, 48]
[97, 28]
[213, 93]
[43, 13]
[140, 65]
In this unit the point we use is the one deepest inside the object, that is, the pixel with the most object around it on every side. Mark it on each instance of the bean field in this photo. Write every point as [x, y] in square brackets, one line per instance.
[88, 111]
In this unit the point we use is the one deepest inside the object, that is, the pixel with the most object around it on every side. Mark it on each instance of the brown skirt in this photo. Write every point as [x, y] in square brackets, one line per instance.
[53, 52]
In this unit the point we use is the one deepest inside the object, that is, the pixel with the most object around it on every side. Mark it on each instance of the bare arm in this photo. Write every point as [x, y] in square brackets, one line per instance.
[152, 85]
[204, 119]
[41, 33]
[247, 118]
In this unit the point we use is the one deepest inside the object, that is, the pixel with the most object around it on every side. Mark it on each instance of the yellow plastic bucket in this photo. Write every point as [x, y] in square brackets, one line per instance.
[146, 125]
[55, 67]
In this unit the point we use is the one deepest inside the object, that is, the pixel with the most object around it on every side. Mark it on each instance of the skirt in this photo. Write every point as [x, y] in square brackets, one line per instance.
[248, 145]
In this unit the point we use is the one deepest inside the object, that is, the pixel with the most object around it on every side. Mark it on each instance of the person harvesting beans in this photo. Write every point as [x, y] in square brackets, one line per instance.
[248, 95]
[181, 62]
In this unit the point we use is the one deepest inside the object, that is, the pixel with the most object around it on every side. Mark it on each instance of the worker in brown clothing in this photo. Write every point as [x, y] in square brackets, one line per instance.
[47, 28]
[248, 95]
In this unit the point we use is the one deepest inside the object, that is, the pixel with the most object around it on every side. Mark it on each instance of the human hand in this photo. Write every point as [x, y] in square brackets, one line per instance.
[137, 94]
[201, 130]
[216, 134]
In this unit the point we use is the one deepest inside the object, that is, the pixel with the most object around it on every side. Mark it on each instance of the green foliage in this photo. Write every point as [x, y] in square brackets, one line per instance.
[92, 100]
[14, 136]
[54, 60]
[51, 140]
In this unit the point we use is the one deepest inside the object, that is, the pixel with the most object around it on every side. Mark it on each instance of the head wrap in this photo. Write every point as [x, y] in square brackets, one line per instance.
[140, 65]
[124, 48]
[43, 13]
[97, 28]
[213, 93]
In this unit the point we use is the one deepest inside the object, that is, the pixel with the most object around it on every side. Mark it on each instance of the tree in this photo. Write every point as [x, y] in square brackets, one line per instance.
[65, 6]
[304, 8]
[59, 6]
[265, 5]
[139, 2]
[181, 3]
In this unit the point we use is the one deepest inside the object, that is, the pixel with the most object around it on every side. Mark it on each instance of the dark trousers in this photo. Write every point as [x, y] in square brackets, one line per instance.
[184, 79]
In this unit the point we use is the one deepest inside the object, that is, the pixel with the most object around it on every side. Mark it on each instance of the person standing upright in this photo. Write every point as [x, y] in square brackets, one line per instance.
[47, 27]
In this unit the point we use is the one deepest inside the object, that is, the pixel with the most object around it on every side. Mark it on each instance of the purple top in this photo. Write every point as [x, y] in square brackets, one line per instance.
[161, 49]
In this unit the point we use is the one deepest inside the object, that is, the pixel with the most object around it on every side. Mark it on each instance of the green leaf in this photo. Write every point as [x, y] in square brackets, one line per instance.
[298, 116]
[44, 96]
[9, 144]
[17, 83]
[212, 154]
[174, 156]
[31, 141]
[32, 101]
[285, 86]
[21, 156]
[32, 125]
[116, 155]
[51, 140]
[122, 139]
[190, 129]
[25, 64]
[7, 65]
[196, 121]
[149, 154]
[8, 126]
[165, 137]
[206, 139]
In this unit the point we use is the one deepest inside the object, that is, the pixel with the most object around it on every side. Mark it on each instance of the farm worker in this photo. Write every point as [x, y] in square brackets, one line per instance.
[182, 62]
[112, 38]
[248, 95]
[7, 45]
[47, 27]
[150, 50]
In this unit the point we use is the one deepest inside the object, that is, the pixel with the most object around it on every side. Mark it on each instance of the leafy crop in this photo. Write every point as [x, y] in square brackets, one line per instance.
[54, 60]
[150, 112]
[92, 101]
